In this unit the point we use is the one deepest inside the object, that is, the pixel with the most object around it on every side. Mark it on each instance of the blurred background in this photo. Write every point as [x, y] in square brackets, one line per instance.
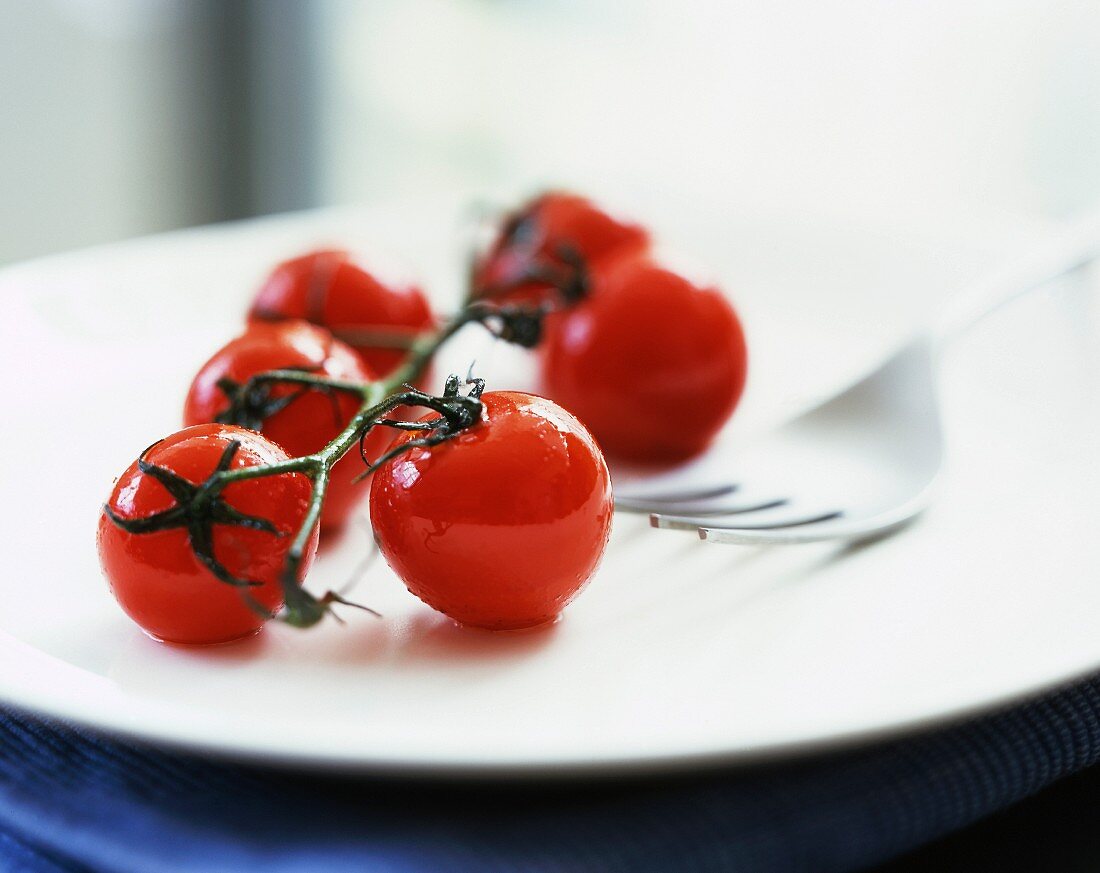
[127, 117]
[123, 117]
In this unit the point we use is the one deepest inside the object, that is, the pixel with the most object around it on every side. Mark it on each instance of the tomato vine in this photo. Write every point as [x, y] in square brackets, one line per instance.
[557, 267]
[201, 506]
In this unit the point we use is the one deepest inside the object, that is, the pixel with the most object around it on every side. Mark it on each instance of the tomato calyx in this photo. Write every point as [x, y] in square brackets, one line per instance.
[521, 323]
[457, 412]
[251, 403]
[565, 274]
[560, 272]
[518, 324]
[198, 508]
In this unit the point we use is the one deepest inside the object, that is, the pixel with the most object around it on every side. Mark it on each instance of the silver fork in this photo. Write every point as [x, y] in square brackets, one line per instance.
[860, 464]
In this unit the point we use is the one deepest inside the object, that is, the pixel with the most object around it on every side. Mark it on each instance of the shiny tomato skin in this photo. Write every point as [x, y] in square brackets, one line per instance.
[653, 364]
[309, 422]
[501, 526]
[328, 288]
[547, 223]
[156, 577]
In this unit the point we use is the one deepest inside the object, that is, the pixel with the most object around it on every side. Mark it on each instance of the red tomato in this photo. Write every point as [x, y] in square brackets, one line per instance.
[310, 421]
[536, 236]
[651, 363]
[157, 577]
[501, 526]
[329, 289]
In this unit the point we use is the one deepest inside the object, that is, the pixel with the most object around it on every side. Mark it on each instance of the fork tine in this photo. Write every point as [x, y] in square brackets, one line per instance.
[806, 530]
[649, 502]
[785, 536]
[704, 510]
[799, 522]
[671, 521]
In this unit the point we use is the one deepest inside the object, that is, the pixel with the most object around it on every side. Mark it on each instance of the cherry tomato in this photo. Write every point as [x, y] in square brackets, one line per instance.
[502, 525]
[651, 363]
[307, 422]
[157, 577]
[542, 234]
[328, 288]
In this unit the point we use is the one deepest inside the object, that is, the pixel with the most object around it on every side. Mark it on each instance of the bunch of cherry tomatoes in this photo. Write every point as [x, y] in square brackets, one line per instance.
[494, 508]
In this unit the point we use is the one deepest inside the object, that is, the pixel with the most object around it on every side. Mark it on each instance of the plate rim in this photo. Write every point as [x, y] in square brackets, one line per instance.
[104, 720]
[168, 738]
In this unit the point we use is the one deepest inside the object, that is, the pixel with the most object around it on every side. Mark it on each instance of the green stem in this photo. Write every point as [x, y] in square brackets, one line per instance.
[301, 539]
[426, 345]
[299, 377]
[308, 464]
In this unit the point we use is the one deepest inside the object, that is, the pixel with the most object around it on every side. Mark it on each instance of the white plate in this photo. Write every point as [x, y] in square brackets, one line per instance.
[678, 652]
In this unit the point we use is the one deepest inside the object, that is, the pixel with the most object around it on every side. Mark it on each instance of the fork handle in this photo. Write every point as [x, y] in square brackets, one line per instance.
[1074, 246]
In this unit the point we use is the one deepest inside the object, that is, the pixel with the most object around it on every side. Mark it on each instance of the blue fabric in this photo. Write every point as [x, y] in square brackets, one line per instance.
[71, 801]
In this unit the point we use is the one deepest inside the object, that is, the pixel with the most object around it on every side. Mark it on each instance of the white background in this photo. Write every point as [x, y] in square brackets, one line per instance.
[889, 110]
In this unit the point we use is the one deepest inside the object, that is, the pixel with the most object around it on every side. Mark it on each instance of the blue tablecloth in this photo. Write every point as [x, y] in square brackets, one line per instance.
[70, 800]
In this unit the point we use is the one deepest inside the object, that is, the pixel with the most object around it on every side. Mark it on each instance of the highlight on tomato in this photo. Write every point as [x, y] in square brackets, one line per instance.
[651, 362]
[195, 571]
[501, 526]
[328, 288]
[299, 418]
[544, 244]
